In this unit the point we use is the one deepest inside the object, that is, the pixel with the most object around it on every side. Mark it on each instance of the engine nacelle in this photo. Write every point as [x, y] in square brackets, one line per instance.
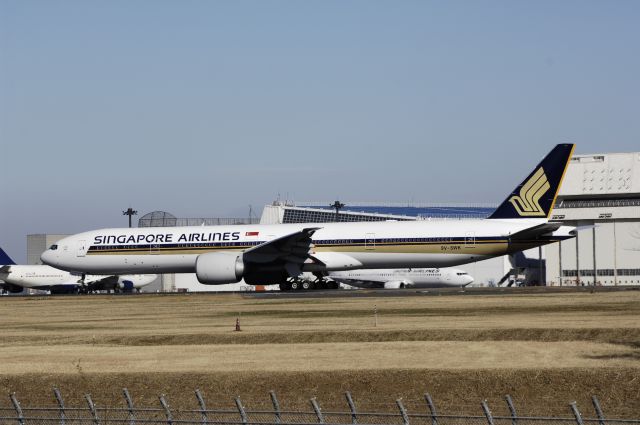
[397, 284]
[219, 268]
[126, 285]
[9, 287]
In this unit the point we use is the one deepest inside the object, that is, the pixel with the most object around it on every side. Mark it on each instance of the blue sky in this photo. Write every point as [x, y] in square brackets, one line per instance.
[202, 108]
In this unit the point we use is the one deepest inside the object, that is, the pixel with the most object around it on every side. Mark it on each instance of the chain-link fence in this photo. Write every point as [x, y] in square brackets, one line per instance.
[163, 414]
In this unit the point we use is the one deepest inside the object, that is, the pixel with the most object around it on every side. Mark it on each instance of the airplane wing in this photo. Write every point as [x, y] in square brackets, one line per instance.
[535, 231]
[102, 283]
[100, 279]
[292, 248]
[358, 283]
[5, 269]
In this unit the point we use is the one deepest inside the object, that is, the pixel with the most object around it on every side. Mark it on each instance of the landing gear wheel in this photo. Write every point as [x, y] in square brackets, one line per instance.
[306, 285]
[295, 285]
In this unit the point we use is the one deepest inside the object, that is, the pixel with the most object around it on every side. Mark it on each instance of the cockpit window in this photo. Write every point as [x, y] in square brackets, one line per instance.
[53, 247]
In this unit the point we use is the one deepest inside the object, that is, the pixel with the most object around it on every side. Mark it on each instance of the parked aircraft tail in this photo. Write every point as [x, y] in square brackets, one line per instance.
[5, 260]
[535, 196]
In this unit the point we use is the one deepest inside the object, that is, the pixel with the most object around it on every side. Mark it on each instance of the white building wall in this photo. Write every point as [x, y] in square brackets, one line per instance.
[608, 178]
[487, 272]
[553, 273]
[606, 248]
[272, 214]
[188, 282]
[602, 174]
[617, 248]
[168, 282]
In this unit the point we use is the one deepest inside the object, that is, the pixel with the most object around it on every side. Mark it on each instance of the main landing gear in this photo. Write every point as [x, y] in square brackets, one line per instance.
[298, 284]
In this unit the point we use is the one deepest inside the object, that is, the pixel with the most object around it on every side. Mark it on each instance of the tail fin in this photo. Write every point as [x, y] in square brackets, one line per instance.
[5, 260]
[535, 196]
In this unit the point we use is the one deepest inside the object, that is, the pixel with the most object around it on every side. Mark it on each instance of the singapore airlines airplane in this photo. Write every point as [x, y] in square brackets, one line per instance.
[270, 254]
[403, 278]
[19, 277]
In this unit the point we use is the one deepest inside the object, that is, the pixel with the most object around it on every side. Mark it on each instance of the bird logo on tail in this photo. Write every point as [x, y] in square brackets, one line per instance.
[527, 204]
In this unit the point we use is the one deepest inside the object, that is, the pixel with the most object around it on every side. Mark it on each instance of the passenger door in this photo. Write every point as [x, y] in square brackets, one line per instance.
[370, 241]
[82, 248]
[470, 240]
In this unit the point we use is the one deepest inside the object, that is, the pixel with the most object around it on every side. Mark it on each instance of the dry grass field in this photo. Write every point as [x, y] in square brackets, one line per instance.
[546, 350]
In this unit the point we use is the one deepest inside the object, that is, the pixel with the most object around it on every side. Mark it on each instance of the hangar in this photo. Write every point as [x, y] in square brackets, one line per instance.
[602, 194]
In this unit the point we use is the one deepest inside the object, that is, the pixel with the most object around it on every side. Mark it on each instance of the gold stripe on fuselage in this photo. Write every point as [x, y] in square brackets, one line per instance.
[486, 247]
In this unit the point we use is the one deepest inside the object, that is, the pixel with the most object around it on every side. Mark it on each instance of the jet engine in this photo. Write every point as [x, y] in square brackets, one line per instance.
[397, 284]
[219, 268]
[125, 285]
[14, 289]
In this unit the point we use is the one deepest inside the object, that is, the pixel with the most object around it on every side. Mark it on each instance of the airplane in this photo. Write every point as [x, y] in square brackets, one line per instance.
[381, 279]
[271, 254]
[19, 277]
[403, 278]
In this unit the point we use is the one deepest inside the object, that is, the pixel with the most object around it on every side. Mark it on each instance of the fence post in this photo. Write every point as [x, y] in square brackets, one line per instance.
[487, 412]
[92, 407]
[63, 416]
[16, 405]
[596, 406]
[132, 414]
[203, 407]
[576, 413]
[243, 414]
[167, 411]
[512, 410]
[276, 406]
[352, 407]
[403, 412]
[316, 409]
[432, 408]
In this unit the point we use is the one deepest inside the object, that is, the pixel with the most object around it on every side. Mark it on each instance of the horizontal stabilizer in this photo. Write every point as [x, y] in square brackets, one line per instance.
[535, 231]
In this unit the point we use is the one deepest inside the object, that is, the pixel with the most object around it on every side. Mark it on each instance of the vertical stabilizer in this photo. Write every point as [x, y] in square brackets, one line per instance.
[5, 260]
[535, 196]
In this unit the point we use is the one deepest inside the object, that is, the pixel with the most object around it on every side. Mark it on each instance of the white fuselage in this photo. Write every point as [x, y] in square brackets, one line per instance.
[45, 277]
[36, 276]
[403, 278]
[336, 246]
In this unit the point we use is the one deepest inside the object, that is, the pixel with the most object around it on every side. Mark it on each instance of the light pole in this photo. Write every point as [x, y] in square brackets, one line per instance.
[130, 212]
[338, 206]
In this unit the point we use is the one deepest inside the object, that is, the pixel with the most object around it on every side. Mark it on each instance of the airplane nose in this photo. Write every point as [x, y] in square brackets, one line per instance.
[469, 280]
[47, 257]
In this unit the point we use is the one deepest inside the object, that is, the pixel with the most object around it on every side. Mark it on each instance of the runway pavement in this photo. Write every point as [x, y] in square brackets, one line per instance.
[498, 291]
